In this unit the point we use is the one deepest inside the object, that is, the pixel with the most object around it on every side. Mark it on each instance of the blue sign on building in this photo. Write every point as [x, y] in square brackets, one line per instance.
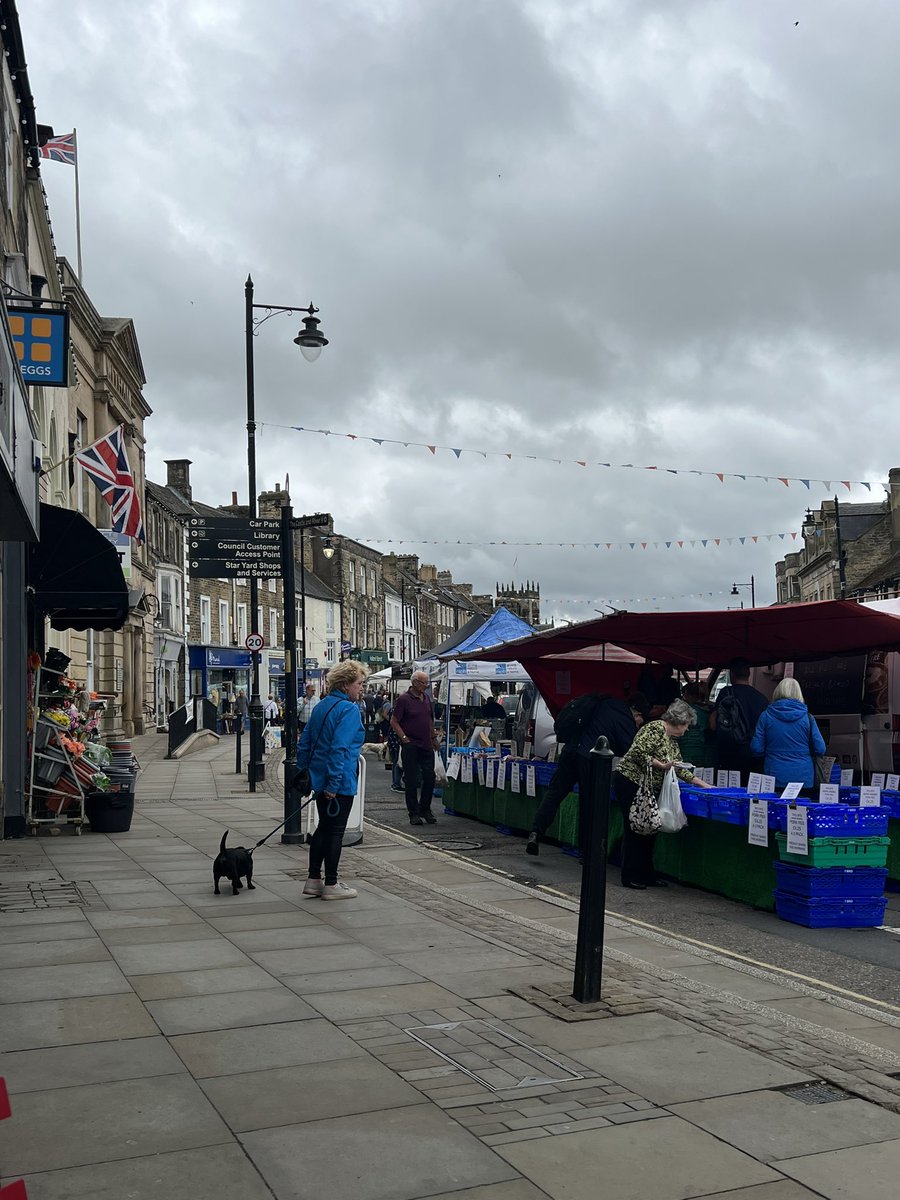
[41, 340]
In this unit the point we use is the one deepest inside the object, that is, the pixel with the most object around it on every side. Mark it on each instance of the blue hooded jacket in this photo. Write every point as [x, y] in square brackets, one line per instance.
[783, 735]
[330, 744]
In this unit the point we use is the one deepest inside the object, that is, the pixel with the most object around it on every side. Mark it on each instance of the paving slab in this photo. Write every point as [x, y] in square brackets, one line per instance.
[378, 1001]
[831, 1016]
[107, 1121]
[53, 952]
[771, 1125]
[285, 918]
[141, 919]
[740, 983]
[62, 982]
[514, 1189]
[68, 1022]
[309, 1092]
[195, 931]
[545, 1030]
[157, 957]
[179, 1175]
[96, 1062]
[228, 1010]
[858, 1173]
[471, 985]
[401, 1155]
[52, 932]
[358, 919]
[409, 939]
[696, 1066]
[294, 937]
[667, 1159]
[47, 916]
[306, 961]
[785, 1189]
[168, 985]
[287, 1044]
[338, 981]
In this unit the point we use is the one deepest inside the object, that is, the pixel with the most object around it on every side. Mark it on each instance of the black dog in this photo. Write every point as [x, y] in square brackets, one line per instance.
[232, 864]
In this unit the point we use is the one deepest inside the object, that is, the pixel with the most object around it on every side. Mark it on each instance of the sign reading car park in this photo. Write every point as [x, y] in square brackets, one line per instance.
[234, 548]
[254, 642]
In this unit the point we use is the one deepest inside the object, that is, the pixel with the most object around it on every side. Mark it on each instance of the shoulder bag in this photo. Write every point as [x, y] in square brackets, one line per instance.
[820, 771]
[643, 815]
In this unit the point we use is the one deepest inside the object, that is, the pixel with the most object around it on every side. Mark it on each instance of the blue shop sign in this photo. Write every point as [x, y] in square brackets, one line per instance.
[226, 657]
[276, 666]
[41, 340]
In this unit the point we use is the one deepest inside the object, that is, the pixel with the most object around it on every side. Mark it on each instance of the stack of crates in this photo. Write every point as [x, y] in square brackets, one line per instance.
[840, 882]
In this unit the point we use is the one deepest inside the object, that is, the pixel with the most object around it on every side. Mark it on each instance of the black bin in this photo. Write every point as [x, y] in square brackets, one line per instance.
[109, 812]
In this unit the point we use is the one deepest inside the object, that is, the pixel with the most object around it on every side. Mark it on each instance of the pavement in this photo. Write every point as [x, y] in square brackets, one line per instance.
[417, 1042]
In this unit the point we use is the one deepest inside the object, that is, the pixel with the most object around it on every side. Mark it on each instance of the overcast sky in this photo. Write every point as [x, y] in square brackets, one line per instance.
[632, 231]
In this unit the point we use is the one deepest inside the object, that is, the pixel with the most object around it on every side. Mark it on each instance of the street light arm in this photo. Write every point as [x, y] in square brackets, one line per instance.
[272, 310]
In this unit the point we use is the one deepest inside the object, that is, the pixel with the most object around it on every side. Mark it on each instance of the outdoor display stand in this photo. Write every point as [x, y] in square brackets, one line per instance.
[353, 834]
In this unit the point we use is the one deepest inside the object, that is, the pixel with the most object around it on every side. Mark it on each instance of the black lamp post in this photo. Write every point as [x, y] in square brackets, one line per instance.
[751, 585]
[310, 340]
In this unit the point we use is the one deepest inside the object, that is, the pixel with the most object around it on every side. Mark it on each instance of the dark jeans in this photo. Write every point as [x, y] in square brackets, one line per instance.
[414, 759]
[572, 768]
[637, 851]
[396, 769]
[328, 840]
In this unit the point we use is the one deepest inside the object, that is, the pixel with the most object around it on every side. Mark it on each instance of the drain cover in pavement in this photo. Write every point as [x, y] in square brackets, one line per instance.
[815, 1093]
[43, 894]
[456, 844]
[494, 1057]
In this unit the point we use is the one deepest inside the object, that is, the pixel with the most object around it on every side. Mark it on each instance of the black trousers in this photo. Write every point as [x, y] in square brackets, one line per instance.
[637, 851]
[414, 759]
[328, 840]
[572, 768]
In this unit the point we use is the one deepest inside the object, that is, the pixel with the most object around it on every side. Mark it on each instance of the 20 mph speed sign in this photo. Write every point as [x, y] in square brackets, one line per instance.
[254, 642]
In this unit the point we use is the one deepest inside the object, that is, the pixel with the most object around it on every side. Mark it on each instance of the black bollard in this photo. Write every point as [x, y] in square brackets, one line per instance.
[237, 745]
[593, 815]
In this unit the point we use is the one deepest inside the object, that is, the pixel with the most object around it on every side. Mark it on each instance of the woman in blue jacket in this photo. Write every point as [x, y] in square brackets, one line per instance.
[329, 750]
[788, 737]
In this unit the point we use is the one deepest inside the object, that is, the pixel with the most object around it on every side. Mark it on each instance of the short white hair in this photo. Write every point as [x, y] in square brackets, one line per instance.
[789, 689]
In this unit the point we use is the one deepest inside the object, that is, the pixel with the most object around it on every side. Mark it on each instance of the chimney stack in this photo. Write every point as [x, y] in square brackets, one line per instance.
[178, 476]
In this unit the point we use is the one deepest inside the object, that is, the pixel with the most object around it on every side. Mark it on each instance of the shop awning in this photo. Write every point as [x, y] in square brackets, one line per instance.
[74, 574]
[782, 633]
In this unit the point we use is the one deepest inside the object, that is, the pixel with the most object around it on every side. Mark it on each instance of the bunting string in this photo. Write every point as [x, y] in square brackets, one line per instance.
[705, 543]
[459, 451]
[611, 601]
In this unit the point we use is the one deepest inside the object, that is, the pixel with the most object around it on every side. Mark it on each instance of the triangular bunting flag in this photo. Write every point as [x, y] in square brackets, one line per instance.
[455, 451]
[720, 476]
[783, 479]
[431, 448]
[805, 483]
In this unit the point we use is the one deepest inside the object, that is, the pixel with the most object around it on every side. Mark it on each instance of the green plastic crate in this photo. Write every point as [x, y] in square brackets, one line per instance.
[838, 852]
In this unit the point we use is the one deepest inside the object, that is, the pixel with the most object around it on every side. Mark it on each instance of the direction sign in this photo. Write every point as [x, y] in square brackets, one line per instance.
[234, 547]
[310, 522]
[254, 642]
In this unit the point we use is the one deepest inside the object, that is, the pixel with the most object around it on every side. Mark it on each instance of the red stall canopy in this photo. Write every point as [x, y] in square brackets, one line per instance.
[562, 664]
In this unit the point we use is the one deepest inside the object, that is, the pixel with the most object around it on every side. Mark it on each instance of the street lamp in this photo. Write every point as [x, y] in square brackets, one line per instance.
[809, 525]
[327, 548]
[751, 585]
[310, 340]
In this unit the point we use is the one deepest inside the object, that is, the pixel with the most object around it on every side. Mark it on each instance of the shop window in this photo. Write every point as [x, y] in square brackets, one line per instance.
[205, 621]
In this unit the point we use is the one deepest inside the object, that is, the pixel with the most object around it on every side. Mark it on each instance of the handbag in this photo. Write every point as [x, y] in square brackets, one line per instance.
[643, 815]
[821, 774]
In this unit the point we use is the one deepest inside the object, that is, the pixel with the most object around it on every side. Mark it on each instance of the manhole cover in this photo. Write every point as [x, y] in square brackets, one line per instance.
[44, 894]
[493, 1056]
[11, 862]
[815, 1093]
[459, 845]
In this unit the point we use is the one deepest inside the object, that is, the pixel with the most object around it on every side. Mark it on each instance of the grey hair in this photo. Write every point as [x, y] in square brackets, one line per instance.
[789, 689]
[345, 673]
[679, 713]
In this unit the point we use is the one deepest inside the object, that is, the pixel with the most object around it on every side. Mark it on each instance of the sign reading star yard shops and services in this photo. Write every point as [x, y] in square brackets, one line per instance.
[234, 548]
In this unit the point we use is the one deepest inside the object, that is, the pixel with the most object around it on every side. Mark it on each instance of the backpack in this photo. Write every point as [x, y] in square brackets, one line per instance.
[570, 722]
[732, 726]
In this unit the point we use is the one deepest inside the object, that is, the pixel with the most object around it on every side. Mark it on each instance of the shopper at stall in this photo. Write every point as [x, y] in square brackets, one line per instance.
[651, 754]
[329, 750]
[788, 738]
[413, 722]
[698, 746]
[738, 708]
[604, 717]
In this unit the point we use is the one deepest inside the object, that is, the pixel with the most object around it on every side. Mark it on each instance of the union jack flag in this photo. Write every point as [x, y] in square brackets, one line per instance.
[60, 149]
[107, 464]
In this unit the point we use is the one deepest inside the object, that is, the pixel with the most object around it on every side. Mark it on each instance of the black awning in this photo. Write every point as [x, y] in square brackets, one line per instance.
[74, 574]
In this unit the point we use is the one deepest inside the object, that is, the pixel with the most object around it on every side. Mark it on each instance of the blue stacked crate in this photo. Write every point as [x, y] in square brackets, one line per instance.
[831, 896]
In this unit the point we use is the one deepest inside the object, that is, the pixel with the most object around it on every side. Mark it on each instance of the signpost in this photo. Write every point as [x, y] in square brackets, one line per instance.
[234, 548]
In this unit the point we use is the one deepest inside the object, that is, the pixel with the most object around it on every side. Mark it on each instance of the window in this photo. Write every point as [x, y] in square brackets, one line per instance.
[271, 585]
[329, 617]
[260, 628]
[372, 581]
[224, 630]
[352, 569]
[165, 601]
[298, 618]
[330, 649]
[353, 625]
[241, 624]
[362, 578]
[273, 626]
[205, 621]
[392, 648]
[81, 480]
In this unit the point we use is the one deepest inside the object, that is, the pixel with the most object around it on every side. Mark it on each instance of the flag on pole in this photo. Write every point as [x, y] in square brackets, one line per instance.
[107, 464]
[60, 149]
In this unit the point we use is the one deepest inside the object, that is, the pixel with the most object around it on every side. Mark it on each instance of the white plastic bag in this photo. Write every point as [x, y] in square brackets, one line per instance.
[671, 813]
[440, 771]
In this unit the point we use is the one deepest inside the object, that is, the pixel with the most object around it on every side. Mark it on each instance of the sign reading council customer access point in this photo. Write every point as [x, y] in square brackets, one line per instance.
[234, 548]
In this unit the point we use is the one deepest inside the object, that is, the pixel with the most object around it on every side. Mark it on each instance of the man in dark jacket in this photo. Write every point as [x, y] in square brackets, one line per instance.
[734, 744]
[607, 717]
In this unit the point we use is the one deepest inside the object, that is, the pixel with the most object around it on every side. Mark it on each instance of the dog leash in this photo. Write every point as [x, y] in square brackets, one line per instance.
[295, 813]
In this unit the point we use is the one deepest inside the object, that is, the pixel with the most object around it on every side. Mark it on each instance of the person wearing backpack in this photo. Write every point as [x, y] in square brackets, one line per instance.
[578, 726]
[738, 708]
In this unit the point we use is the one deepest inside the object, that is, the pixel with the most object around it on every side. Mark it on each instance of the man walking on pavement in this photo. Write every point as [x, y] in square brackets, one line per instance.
[413, 722]
[242, 705]
[307, 704]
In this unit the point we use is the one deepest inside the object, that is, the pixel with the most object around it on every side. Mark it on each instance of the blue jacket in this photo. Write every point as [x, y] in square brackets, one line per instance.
[330, 744]
[783, 736]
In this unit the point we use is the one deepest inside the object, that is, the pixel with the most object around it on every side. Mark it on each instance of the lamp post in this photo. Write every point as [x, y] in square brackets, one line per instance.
[310, 340]
[751, 585]
[841, 556]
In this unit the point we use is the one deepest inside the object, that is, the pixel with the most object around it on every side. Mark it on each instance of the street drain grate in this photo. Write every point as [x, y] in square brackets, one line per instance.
[44, 894]
[491, 1055]
[814, 1093]
[458, 845]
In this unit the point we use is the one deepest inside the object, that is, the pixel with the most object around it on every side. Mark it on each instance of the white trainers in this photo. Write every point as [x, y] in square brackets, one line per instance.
[338, 891]
[313, 887]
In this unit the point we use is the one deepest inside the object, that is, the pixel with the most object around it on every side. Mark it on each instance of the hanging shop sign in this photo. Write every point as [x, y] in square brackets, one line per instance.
[234, 548]
[41, 340]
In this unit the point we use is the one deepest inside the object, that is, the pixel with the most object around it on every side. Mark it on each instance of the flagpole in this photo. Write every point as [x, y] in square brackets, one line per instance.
[77, 206]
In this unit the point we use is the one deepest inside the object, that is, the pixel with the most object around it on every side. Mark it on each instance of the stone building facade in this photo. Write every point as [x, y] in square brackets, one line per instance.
[524, 601]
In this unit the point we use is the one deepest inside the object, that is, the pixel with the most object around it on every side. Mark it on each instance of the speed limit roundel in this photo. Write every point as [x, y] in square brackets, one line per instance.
[254, 642]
